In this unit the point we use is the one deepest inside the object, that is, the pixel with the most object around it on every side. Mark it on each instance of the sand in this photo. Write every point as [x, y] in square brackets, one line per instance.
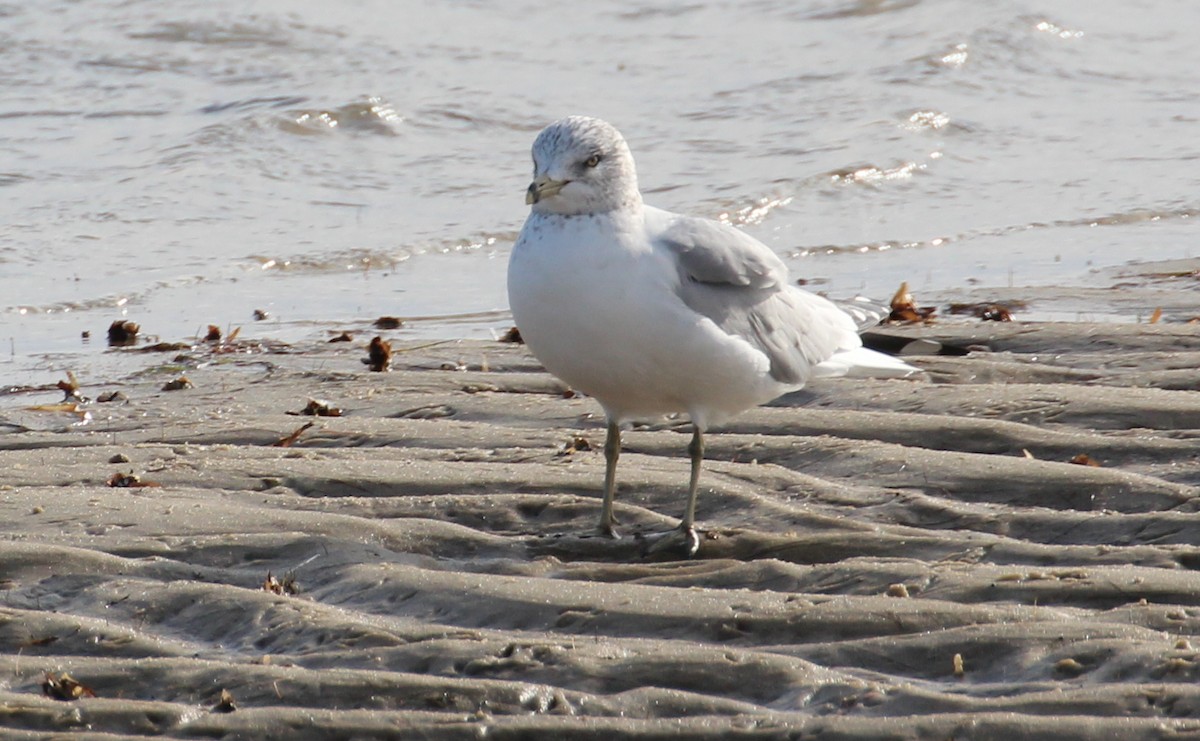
[881, 559]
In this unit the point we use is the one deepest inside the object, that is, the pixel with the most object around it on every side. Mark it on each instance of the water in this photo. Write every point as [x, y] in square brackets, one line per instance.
[182, 164]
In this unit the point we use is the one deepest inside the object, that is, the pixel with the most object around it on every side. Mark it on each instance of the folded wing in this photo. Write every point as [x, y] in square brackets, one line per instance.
[742, 286]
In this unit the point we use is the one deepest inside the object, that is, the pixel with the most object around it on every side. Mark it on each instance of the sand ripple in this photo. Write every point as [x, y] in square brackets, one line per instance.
[860, 537]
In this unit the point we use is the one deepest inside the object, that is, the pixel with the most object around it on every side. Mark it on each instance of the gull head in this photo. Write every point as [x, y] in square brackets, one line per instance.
[581, 165]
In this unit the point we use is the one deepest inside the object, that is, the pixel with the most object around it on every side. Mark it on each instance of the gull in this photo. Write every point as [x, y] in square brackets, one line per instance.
[652, 313]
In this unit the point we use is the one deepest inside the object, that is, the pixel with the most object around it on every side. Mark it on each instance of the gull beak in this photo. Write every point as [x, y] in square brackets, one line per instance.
[543, 187]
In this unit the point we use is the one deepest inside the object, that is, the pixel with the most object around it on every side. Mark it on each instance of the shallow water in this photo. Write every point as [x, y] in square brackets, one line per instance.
[183, 164]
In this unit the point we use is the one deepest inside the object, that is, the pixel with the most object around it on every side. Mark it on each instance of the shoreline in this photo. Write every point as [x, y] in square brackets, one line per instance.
[42, 346]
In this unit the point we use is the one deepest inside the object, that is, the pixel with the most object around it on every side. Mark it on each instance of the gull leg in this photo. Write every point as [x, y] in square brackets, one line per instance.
[683, 538]
[612, 451]
[688, 526]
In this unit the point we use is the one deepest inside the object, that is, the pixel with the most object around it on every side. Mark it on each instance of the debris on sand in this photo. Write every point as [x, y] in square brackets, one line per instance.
[577, 444]
[165, 347]
[178, 384]
[65, 687]
[290, 440]
[905, 309]
[379, 355]
[988, 312]
[130, 480]
[225, 703]
[388, 322]
[319, 408]
[70, 389]
[123, 332]
[287, 587]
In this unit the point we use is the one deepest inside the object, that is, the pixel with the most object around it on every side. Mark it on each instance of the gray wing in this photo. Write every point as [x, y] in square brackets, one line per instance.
[865, 312]
[742, 286]
[719, 254]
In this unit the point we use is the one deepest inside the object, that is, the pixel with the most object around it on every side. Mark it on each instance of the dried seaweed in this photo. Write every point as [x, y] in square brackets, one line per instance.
[65, 687]
[905, 309]
[123, 332]
[319, 408]
[988, 312]
[178, 384]
[165, 347]
[290, 440]
[388, 322]
[576, 444]
[70, 389]
[379, 355]
[285, 587]
[130, 481]
[225, 703]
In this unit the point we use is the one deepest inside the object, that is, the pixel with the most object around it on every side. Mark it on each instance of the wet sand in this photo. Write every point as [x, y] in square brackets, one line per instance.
[859, 536]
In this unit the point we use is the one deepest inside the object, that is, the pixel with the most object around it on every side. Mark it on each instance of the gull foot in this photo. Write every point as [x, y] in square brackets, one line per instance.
[589, 545]
[683, 541]
[608, 530]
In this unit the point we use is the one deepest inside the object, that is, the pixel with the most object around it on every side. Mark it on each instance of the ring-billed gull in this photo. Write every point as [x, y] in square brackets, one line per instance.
[651, 312]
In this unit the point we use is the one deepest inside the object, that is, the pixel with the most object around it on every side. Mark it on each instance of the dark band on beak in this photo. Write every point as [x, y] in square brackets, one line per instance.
[543, 187]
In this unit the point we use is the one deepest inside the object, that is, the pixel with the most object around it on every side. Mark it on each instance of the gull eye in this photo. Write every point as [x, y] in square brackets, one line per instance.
[592, 161]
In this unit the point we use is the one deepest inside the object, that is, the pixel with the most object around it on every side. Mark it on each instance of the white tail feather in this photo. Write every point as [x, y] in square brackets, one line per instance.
[863, 363]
